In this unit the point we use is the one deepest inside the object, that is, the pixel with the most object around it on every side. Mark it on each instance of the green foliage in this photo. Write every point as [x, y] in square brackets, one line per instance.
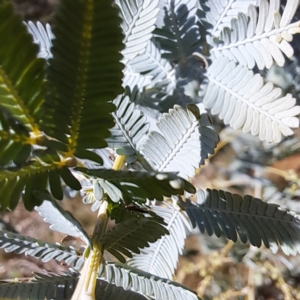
[22, 86]
[131, 235]
[84, 75]
[59, 112]
[247, 217]
[61, 287]
[52, 285]
[137, 186]
[65, 106]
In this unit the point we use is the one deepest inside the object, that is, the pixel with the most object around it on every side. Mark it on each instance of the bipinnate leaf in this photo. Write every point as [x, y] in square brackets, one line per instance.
[84, 74]
[61, 220]
[34, 177]
[179, 37]
[12, 242]
[245, 217]
[138, 19]
[131, 235]
[150, 63]
[243, 100]
[15, 146]
[153, 287]
[219, 14]
[61, 287]
[259, 37]
[185, 141]
[41, 287]
[138, 186]
[22, 74]
[131, 79]
[15, 180]
[161, 257]
[131, 125]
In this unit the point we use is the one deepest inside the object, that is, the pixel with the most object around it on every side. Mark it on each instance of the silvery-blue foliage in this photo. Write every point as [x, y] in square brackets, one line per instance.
[178, 56]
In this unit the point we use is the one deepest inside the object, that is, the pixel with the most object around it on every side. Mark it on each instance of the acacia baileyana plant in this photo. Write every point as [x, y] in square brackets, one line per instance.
[94, 81]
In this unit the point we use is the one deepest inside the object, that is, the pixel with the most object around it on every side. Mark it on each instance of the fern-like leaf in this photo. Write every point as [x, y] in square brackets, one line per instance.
[138, 18]
[12, 242]
[21, 84]
[61, 287]
[137, 186]
[163, 5]
[262, 39]
[84, 74]
[220, 13]
[61, 220]
[242, 100]
[153, 287]
[15, 145]
[186, 141]
[247, 217]
[14, 180]
[132, 79]
[151, 63]
[156, 100]
[50, 286]
[161, 257]
[33, 177]
[131, 124]
[178, 38]
[108, 291]
[132, 235]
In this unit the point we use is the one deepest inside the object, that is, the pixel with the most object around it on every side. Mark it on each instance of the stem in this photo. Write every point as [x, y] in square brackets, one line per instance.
[85, 289]
[227, 248]
[251, 291]
[119, 162]
[203, 285]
